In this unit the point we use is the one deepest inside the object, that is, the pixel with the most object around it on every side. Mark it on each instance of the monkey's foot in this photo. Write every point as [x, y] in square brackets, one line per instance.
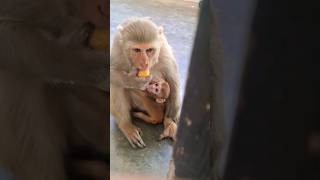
[133, 134]
[170, 129]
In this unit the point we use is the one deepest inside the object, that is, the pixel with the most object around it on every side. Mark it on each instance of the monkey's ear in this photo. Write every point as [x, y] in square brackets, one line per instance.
[160, 29]
[160, 100]
[120, 29]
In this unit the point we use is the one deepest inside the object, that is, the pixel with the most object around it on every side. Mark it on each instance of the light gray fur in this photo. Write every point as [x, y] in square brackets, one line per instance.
[141, 30]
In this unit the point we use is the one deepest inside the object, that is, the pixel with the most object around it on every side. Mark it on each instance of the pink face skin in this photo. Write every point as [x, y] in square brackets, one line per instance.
[141, 55]
[154, 88]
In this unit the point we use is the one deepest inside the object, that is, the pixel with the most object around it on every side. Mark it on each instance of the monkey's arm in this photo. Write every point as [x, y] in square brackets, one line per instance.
[27, 52]
[170, 74]
[127, 80]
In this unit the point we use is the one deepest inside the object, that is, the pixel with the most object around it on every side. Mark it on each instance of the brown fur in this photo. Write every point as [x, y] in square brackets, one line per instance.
[154, 110]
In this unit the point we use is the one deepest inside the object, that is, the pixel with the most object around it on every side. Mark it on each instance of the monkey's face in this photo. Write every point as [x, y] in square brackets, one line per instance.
[142, 55]
[159, 89]
[154, 88]
[142, 40]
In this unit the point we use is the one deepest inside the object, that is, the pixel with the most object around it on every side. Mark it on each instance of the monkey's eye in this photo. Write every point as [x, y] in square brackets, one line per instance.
[156, 84]
[136, 50]
[150, 50]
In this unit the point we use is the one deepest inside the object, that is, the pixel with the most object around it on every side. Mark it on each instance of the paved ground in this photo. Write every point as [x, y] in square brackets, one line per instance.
[179, 21]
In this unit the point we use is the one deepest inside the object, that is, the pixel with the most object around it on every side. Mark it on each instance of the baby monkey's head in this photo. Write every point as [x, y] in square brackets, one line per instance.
[159, 90]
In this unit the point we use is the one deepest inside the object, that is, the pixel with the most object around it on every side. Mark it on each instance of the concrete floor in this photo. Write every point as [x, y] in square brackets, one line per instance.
[179, 19]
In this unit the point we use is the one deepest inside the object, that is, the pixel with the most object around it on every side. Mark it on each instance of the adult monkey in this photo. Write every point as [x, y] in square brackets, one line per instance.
[140, 45]
[43, 41]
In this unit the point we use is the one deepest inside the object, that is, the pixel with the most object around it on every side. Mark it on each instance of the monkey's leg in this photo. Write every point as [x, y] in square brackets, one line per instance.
[120, 109]
[170, 129]
[145, 117]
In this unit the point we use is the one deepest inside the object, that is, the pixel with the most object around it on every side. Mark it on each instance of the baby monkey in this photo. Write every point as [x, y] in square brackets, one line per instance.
[153, 100]
[153, 103]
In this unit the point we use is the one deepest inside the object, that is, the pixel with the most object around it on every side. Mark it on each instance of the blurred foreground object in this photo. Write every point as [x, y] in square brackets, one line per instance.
[4, 175]
[99, 39]
[269, 128]
[199, 133]
[277, 128]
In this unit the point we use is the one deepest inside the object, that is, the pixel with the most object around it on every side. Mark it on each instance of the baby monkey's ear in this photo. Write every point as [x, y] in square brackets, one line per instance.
[160, 100]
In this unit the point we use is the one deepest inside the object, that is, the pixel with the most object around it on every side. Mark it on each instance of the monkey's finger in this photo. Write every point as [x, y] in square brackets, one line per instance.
[140, 140]
[132, 144]
[148, 80]
[136, 141]
[144, 87]
[172, 135]
[162, 136]
[133, 72]
[174, 138]
[139, 131]
[145, 80]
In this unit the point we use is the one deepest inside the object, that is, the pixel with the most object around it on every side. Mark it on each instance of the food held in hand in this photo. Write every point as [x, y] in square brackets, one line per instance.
[143, 73]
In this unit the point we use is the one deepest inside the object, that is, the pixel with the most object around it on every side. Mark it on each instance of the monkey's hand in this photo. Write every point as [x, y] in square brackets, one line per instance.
[133, 134]
[170, 129]
[138, 82]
